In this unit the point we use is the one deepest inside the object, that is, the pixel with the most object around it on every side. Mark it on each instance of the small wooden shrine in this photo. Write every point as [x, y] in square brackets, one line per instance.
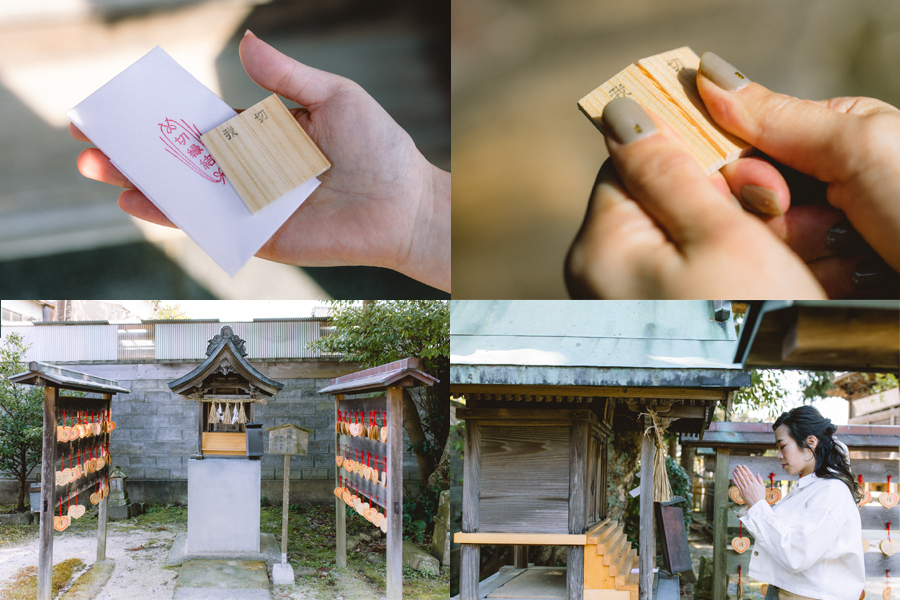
[226, 467]
[76, 433]
[545, 384]
[226, 387]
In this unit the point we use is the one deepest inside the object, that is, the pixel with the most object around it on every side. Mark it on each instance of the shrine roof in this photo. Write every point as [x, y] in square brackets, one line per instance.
[47, 375]
[400, 373]
[225, 347]
[608, 343]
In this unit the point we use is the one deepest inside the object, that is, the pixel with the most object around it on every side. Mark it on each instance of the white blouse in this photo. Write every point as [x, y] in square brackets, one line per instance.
[809, 543]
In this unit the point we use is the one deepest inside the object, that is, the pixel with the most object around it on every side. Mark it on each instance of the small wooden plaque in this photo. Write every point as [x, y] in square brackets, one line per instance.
[265, 153]
[666, 84]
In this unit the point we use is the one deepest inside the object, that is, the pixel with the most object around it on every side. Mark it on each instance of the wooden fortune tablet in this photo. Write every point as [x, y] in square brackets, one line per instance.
[740, 544]
[773, 495]
[666, 84]
[735, 494]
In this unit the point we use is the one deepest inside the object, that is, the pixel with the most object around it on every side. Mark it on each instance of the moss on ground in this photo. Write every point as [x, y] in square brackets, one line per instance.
[23, 585]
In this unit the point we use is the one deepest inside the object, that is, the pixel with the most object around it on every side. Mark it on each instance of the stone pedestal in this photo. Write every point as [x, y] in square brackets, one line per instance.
[223, 505]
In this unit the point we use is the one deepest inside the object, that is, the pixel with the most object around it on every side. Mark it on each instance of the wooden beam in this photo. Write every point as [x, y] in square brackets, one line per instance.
[527, 414]
[394, 586]
[873, 470]
[48, 495]
[647, 529]
[520, 556]
[578, 461]
[470, 553]
[593, 391]
[720, 576]
[516, 539]
[339, 511]
[101, 515]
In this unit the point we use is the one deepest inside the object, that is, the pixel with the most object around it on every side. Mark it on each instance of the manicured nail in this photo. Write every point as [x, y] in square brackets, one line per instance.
[627, 121]
[248, 32]
[761, 200]
[872, 272]
[722, 73]
[842, 237]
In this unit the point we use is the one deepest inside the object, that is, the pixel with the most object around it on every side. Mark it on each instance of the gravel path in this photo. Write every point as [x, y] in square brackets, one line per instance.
[139, 574]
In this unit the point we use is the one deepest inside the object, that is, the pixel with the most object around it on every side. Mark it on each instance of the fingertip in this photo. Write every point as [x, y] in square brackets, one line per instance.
[77, 133]
[137, 205]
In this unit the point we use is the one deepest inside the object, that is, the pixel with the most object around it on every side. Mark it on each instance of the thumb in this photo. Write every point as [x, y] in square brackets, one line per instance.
[807, 136]
[274, 71]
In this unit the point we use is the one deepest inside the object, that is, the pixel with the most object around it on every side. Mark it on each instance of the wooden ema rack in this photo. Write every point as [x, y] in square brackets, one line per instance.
[666, 84]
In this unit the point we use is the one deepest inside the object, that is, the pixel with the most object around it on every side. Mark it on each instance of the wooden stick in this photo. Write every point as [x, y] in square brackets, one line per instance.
[284, 508]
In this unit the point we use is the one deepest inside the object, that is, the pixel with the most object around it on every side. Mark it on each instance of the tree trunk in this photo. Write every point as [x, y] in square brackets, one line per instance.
[22, 475]
[413, 425]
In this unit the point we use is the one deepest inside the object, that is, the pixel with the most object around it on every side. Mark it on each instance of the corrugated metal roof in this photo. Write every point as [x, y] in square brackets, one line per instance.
[403, 373]
[603, 343]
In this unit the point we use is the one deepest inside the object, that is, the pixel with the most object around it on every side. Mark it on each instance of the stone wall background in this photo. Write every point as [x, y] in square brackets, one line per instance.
[156, 430]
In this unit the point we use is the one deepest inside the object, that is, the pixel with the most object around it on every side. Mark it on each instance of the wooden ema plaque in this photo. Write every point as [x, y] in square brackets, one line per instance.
[265, 153]
[666, 84]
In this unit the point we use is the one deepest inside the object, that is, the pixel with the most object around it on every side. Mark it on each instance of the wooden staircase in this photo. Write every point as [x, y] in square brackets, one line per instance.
[608, 561]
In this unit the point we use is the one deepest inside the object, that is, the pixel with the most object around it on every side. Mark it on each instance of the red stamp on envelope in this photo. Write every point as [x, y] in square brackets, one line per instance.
[183, 142]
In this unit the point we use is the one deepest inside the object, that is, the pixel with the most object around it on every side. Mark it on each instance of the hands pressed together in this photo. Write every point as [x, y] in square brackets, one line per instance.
[381, 203]
[818, 215]
[752, 489]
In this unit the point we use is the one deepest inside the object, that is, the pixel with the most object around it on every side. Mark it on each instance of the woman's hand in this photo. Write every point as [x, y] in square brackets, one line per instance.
[658, 227]
[752, 489]
[643, 239]
[381, 203]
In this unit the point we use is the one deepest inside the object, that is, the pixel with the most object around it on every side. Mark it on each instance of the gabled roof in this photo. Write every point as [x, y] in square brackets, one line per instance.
[47, 375]
[400, 373]
[225, 354]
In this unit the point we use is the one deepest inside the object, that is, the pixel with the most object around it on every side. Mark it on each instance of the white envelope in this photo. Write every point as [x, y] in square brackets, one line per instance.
[148, 121]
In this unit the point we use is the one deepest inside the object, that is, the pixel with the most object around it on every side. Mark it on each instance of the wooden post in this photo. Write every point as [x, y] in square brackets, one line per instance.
[284, 508]
[470, 554]
[101, 514]
[340, 515]
[720, 525]
[101, 530]
[520, 557]
[578, 442]
[647, 537]
[48, 494]
[395, 494]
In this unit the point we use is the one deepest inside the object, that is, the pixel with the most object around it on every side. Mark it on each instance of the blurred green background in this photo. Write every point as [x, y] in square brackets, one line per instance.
[526, 157]
[60, 232]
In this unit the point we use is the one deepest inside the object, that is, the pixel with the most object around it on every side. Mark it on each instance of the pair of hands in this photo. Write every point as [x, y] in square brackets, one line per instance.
[752, 489]
[381, 203]
[658, 227]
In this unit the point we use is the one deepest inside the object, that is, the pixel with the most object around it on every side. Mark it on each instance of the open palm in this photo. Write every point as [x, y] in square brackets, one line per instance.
[381, 203]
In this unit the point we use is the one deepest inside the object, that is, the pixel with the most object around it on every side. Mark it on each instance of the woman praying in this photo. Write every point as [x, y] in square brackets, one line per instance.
[809, 545]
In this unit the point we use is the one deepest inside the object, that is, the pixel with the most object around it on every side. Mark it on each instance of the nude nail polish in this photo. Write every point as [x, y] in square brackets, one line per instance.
[722, 73]
[760, 200]
[627, 121]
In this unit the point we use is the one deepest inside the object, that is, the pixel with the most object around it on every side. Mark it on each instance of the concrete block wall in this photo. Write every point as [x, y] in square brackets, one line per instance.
[156, 430]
